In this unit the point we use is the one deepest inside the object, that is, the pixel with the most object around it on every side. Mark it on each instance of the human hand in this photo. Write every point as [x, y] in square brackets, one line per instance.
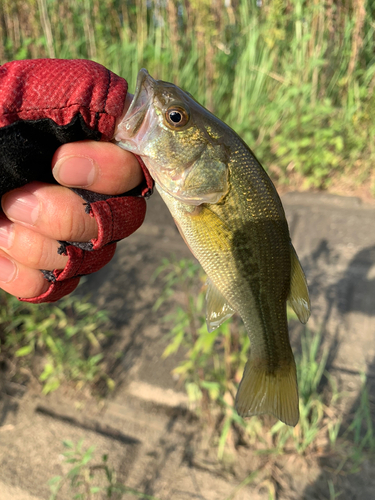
[38, 214]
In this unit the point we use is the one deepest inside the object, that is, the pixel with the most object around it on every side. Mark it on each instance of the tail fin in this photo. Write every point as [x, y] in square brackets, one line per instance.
[263, 392]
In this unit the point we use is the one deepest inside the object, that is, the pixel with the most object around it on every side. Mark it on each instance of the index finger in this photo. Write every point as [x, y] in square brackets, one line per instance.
[101, 167]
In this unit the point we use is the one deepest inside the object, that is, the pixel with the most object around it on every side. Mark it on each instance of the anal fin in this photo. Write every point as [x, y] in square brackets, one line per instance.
[298, 295]
[217, 308]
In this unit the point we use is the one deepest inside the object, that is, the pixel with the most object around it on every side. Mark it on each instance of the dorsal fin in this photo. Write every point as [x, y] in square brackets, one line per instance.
[298, 295]
[217, 307]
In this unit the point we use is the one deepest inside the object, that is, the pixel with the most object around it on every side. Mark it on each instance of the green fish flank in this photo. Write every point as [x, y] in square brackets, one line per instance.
[231, 217]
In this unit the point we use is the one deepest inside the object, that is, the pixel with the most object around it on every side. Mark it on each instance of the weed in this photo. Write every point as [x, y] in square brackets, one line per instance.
[248, 480]
[296, 82]
[66, 337]
[87, 479]
[215, 361]
[332, 493]
[213, 367]
[360, 432]
[362, 428]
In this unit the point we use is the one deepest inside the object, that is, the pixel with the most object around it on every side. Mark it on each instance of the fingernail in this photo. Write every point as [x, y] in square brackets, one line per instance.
[7, 270]
[78, 171]
[21, 206]
[6, 233]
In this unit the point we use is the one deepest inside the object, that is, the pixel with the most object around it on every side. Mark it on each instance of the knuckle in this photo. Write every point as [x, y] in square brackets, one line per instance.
[36, 251]
[76, 225]
[38, 254]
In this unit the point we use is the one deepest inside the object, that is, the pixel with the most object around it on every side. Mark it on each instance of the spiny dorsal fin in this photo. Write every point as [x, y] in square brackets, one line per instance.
[217, 308]
[298, 295]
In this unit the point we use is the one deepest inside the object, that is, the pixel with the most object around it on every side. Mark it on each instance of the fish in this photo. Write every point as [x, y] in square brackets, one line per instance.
[231, 217]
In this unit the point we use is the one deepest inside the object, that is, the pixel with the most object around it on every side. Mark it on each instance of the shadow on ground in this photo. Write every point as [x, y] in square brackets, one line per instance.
[350, 298]
[342, 287]
[154, 446]
[127, 289]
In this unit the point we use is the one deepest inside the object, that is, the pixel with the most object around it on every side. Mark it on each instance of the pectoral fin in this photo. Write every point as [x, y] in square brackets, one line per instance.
[298, 295]
[217, 308]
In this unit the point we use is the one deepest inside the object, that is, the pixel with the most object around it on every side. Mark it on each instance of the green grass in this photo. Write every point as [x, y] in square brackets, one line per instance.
[296, 82]
[54, 343]
[87, 479]
[213, 366]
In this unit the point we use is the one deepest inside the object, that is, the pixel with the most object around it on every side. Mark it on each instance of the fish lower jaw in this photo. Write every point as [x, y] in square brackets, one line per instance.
[186, 197]
[128, 145]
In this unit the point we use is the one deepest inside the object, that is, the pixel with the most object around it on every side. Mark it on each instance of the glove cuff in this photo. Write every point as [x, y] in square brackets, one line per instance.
[48, 102]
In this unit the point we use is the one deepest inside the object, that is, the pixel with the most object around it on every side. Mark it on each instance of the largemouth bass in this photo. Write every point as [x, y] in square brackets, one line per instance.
[231, 217]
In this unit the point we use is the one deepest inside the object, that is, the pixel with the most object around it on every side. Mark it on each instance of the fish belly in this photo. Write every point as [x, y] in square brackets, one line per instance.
[249, 263]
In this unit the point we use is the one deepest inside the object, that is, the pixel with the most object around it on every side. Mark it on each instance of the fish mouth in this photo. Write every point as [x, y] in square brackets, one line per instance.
[144, 84]
[134, 121]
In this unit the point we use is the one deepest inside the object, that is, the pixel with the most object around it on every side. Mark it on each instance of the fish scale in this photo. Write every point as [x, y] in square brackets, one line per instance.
[231, 217]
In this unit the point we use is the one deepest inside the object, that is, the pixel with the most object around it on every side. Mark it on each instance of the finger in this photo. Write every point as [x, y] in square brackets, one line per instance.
[19, 280]
[30, 248]
[101, 167]
[53, 211]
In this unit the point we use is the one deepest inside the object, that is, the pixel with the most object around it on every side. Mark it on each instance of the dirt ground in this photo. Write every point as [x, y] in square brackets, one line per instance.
[154, 442]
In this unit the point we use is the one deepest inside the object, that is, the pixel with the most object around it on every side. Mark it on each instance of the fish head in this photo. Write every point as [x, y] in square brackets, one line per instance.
[178, 140]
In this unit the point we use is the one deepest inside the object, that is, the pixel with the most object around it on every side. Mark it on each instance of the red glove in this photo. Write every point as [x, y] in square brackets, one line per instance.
[45, 103]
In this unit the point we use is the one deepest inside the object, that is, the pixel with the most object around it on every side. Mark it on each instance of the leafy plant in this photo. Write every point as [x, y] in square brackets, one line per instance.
[213, 358]
[87, 479]
[214, 364]
[359, 434]
[213, 367]
[311, 366]
[296, 81]
[65, 336]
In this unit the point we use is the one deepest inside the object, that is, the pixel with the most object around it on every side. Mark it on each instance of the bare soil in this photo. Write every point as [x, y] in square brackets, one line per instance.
[155, 443]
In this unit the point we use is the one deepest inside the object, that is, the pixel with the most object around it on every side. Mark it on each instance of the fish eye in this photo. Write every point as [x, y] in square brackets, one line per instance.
[177, 116]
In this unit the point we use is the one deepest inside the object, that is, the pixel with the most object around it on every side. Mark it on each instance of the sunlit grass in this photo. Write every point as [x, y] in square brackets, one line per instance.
[212, 368]
[55, 343]
[296, 83]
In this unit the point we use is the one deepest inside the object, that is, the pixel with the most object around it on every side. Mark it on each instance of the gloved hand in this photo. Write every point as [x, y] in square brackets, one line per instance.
[44, 104]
